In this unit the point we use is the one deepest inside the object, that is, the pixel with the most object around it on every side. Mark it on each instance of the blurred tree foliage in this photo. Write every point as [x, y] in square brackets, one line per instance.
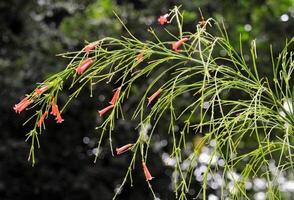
[34, 31]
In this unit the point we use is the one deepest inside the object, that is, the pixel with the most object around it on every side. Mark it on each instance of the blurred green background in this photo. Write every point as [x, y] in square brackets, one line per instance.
[33, 32]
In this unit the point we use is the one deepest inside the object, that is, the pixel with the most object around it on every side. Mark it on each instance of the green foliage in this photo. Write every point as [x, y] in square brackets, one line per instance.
[250, 118]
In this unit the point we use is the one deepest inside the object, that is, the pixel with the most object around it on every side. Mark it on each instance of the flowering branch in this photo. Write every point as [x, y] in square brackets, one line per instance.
[223, 100]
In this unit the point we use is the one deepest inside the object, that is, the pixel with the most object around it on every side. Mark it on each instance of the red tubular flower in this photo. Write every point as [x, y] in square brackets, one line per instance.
[42, 118]
[39, 91]
[90, 47]
[55, 112]
[162, 19]
[59, 118]
[23, 104]
[104, 110]
[123, 149]
[115, 96]
[154, 95]
[176, 45]
[148, 176]
[54, 108]
[84, 65]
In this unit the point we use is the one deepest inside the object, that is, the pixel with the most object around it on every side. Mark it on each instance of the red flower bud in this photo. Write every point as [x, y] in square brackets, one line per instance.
[176, 45]
[140, 56]
[42, 118]
[39, 91]
[162, 19]
[90, 47]
[105, 110]
[123, 149]
[153, 96]
[115, 96]
[84, 66]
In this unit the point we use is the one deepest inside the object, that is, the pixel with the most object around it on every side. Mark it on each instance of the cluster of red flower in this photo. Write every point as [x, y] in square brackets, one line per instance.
[24, 103]
[128, 147]
[80, 69]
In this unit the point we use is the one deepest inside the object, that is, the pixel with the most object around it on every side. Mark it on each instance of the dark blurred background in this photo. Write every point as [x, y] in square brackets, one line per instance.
[33, 32]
